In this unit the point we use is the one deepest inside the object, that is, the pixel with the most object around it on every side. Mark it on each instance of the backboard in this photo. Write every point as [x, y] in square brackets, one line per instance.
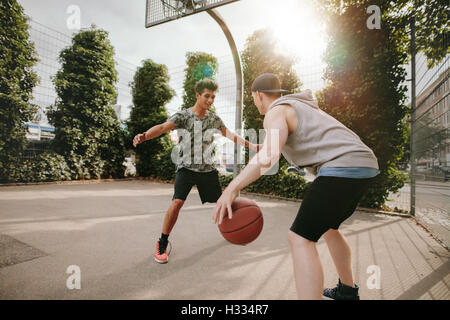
[161, 11]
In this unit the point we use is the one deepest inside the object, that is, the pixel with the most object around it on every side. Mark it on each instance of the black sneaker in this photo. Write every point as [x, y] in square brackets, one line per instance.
[341, 292]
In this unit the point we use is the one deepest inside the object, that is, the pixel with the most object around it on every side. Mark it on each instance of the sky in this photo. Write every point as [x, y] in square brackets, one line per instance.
[295, 23]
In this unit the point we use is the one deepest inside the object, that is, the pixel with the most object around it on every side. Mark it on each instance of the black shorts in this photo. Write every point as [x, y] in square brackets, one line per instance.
[207, 183]
[327, 203]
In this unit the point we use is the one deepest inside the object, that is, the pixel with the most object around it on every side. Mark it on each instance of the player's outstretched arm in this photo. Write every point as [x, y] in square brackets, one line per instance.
[153, 132]
[276, 135]
[239, 140]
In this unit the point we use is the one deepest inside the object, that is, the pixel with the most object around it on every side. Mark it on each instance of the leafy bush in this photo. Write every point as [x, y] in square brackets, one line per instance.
[366, 93]
[164, 168]
[48, 166]
[17, 80]
[281, 184]
[151, 91]
[88, 134]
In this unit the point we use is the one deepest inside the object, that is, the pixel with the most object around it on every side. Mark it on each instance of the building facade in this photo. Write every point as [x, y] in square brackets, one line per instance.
[432, 132]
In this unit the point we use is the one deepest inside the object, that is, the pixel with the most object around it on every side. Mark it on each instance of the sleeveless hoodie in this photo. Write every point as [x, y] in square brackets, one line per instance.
[320, 140]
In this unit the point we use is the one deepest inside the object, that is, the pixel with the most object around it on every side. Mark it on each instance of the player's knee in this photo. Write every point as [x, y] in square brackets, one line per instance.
[178, 203]
[297, 241]
[330, 234]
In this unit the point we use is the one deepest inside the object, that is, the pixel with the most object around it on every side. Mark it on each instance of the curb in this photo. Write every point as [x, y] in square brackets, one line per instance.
[89, 181]
[424, 227]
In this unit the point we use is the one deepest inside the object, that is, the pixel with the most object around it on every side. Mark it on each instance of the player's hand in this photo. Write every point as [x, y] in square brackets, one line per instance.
[139, 138]
[223, 205]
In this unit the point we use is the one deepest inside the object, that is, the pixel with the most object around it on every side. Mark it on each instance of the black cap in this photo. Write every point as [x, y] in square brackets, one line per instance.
[267, 82]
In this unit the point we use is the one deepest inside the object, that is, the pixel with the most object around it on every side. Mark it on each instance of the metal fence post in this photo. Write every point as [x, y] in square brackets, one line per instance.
[413, 119]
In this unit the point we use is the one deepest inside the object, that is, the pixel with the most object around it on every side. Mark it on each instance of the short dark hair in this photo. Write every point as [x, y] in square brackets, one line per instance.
[205, 83]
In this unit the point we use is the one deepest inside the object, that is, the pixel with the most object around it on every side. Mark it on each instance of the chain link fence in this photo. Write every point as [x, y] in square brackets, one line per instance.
[48, 44]
[426, 195]
[430, 156]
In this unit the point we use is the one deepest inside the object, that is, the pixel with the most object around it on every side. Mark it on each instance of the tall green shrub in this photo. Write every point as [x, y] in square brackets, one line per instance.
[366, 75]
[88, 133]
[17, 79]
[365, 91]
[261, 55]
[151, 91]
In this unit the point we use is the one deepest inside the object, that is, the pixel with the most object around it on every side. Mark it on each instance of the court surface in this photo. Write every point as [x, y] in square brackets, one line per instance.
[109, 230]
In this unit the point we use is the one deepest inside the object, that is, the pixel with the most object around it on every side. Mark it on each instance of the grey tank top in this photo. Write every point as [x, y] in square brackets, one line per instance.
[320, 140]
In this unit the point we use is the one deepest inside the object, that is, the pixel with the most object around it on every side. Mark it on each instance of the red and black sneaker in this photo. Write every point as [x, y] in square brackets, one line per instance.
[161, 255]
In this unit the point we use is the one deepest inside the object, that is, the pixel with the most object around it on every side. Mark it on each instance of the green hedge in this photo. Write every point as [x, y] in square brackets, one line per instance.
[282, 184]
[164, 166]
[47, 166]
[50, 166]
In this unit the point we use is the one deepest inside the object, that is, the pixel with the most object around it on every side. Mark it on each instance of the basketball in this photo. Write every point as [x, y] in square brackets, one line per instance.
[246, 223]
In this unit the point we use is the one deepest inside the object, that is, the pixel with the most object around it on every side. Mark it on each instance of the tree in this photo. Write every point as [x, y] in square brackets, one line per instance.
[261, 56]
[88, 133]
[431, 21]
[199, 65]
[151, 91]
[365, 91]
[17, 80]
[366, 75]
[432, 26]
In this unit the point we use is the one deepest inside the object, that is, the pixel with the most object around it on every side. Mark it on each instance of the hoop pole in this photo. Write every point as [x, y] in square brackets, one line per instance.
[239, 83]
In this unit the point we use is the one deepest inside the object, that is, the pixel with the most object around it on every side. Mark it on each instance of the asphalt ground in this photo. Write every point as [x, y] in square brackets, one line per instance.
[102, 236]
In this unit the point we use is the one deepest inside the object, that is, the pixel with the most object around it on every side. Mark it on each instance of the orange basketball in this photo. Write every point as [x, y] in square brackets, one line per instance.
[246, 223]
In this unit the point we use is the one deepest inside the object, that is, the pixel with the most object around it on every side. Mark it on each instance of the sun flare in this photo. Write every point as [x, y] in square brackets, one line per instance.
[299, 29]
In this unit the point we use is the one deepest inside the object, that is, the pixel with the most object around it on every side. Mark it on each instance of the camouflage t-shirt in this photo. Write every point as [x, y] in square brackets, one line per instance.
[195, 145]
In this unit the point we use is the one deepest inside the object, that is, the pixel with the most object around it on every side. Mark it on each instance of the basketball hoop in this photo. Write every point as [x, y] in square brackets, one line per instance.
[161, 11]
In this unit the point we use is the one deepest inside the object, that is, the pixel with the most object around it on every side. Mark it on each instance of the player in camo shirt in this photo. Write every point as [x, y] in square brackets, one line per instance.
[194, 166]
